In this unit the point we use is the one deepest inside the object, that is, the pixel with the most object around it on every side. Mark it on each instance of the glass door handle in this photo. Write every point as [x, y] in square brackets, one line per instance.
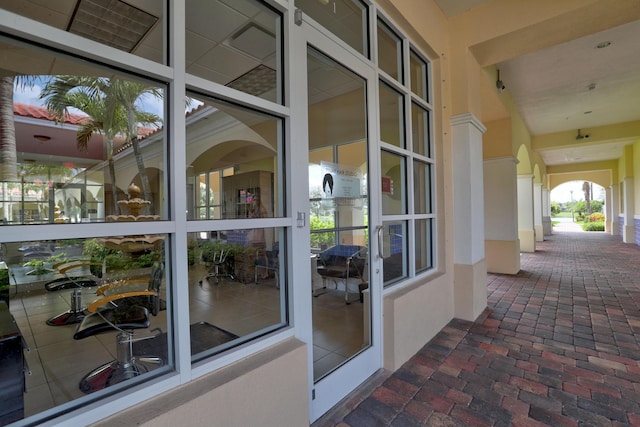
[379, 231]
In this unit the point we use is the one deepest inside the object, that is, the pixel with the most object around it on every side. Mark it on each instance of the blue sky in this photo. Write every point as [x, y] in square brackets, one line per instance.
[31, 95]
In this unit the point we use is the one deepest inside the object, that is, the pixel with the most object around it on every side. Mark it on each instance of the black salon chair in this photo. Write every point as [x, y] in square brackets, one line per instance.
[72, 279]
[119, 309]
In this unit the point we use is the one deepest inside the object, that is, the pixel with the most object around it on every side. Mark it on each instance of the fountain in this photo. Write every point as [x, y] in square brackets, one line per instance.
[133, 244]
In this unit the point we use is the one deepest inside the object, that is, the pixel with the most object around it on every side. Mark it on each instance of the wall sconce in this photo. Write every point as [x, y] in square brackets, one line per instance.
[499, 84]
[42, 138]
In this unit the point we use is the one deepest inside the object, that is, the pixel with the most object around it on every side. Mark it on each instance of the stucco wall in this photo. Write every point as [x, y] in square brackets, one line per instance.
[412, 316]
[242, 394]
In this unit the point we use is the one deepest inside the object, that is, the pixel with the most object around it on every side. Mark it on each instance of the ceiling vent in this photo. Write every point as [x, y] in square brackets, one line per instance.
[111, 22]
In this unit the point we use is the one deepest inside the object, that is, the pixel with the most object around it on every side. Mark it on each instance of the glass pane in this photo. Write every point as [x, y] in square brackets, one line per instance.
[236, 153]
[421, 187]
[338, 189]
[391, 116]
[424, 244]
[418, 74]
[68, 298]
[420, 130]
[133, 26]
[394, 250]
[88, 146]
[389, 51]
[347, 19]
[236, 43]
[394, 188]
[223, 311]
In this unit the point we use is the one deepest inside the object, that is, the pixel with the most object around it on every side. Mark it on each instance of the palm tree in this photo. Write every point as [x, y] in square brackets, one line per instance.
[104, 116]
[8, 150]
[111, 107]
[128, 93]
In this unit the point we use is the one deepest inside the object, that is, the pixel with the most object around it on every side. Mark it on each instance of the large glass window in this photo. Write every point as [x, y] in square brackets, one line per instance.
[347, 19]
[242, 50]
[87, 145]
[408, 223]
[234, 160]
[236, 287]
[92, 312]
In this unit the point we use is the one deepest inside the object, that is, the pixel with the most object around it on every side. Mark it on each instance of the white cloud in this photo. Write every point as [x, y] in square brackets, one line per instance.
[573, 191]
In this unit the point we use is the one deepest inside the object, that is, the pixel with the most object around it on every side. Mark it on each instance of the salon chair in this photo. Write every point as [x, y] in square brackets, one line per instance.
[71, 280]
[217, 268]
[118, 309]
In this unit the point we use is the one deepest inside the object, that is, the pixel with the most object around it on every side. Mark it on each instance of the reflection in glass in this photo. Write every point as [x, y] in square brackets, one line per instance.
[424, 242]
[394, 183]
[236, 287]
[389, 51]
[233, 161]
[338, 190]
[132, 26]
[237, 44]
[61, 294]
[347, 19]
[420, 130]
[391, 116]
[421, 187]
[418, 69]
[394, 249]
[80, 143]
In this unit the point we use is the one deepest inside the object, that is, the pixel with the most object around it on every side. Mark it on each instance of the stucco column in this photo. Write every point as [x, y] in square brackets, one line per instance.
[537, 212]
[613, 209]
[628, 232]
[470, 269]
[526, 230]
[547, 229]
[502, 246]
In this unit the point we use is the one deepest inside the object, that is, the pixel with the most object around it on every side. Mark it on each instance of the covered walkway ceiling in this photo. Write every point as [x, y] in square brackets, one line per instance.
[586, 77]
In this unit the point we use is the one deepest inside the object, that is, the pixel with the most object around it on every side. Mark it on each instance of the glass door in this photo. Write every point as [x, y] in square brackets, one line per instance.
[342, 330]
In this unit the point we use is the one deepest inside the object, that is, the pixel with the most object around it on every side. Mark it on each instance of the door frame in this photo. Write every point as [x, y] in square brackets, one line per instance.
[329, 390]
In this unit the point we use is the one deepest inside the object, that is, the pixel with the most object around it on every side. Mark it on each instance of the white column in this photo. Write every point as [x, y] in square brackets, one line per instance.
[614, 210]
[526, 230]
[502, 247]
[629, 229]
[537, 212]
[470, 272]
[547, 229]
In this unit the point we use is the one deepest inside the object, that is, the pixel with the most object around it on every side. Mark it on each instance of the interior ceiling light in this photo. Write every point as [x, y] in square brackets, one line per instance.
[111, 22]
[254, 41]
[499, 84]
[603, 44]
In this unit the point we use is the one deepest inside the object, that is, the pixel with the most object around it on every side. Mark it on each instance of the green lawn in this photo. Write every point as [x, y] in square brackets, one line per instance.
[563, 215]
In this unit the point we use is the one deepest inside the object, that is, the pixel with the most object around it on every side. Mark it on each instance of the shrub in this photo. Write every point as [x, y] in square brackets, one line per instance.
[593, 226]
[596, 217]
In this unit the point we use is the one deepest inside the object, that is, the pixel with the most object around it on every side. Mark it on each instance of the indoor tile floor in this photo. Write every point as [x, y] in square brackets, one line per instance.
[57, 362]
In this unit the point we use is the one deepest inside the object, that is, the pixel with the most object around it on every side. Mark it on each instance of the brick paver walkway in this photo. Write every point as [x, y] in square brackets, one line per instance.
[558, 345]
